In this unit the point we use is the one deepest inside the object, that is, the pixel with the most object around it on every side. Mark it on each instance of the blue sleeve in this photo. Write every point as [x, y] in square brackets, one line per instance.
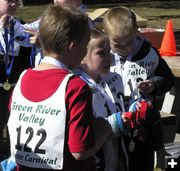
[7, 165]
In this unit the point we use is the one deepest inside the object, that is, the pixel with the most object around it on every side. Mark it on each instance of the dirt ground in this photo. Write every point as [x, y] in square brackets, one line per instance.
[156, 12]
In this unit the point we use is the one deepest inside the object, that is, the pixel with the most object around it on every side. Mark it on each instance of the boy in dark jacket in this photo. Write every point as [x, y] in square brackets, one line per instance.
[144, 74]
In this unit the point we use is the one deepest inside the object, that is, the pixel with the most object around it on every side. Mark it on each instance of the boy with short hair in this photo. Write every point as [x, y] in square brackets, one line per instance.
[143, 72]
[93, 67]
[51, 121]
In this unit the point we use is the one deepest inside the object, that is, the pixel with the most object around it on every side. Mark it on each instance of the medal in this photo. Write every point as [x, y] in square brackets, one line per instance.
[131, 146]
[6, 86]
[8, 61]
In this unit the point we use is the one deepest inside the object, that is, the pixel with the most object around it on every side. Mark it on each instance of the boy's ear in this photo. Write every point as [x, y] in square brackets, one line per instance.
[72, 45]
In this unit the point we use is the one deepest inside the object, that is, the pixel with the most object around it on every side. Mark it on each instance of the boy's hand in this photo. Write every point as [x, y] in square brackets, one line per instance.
[101, 124]
[34, 38]
[4, 21]
[147, 86]
[125, 119]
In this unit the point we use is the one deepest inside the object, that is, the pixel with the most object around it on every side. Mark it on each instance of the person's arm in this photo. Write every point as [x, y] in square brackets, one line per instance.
[21, 36]
[163, 77]
[86, 134]
[32, 26]
[102, 130]
[19, 28]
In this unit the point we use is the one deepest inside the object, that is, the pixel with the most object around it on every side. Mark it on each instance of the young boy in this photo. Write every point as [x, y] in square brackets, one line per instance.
[94, 67]
[12, 63]
[51, 122]
[95, 63]
[142, 70]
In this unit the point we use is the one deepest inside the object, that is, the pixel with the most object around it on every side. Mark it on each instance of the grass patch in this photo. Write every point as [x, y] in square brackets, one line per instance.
[30, 13]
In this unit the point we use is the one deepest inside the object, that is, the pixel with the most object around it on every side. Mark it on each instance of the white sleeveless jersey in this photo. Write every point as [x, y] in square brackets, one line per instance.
[37, 130]
[103, 105]
[103, 101]
[115, 84]
[133, 73]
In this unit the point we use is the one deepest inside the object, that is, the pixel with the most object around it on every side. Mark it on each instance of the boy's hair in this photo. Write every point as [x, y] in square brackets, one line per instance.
[120, 21]
[95, 34]
[59, 26]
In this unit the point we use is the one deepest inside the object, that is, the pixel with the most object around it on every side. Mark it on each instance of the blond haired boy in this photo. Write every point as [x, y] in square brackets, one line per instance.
[143, 72]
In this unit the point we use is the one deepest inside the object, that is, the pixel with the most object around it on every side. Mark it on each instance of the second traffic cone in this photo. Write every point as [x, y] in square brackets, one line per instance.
[168, 45]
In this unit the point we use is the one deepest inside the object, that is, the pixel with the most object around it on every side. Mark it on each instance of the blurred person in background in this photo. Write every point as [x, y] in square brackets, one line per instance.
[13, 60]
[28, 34]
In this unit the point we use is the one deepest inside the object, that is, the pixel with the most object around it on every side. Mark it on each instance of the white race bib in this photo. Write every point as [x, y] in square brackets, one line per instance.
[37, 129]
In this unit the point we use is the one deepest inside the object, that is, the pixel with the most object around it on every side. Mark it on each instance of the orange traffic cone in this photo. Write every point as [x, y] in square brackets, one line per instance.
[168, 45]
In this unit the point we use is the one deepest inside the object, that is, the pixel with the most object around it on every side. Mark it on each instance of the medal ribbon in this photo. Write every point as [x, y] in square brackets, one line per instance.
[92, 83]
[9, 42]
[32, 55]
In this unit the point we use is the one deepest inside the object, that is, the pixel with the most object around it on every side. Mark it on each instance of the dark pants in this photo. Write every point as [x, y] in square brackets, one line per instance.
[4, 144]
[4, 115]
[142, 158]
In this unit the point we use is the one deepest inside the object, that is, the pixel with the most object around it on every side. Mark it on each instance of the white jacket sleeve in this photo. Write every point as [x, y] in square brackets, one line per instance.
[20, 36]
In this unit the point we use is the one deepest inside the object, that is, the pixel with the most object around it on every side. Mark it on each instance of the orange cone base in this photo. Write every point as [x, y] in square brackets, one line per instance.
[168, 53]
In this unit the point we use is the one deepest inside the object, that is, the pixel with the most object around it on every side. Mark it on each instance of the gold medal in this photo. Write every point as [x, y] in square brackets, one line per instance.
[6, 86]
[131, 146]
